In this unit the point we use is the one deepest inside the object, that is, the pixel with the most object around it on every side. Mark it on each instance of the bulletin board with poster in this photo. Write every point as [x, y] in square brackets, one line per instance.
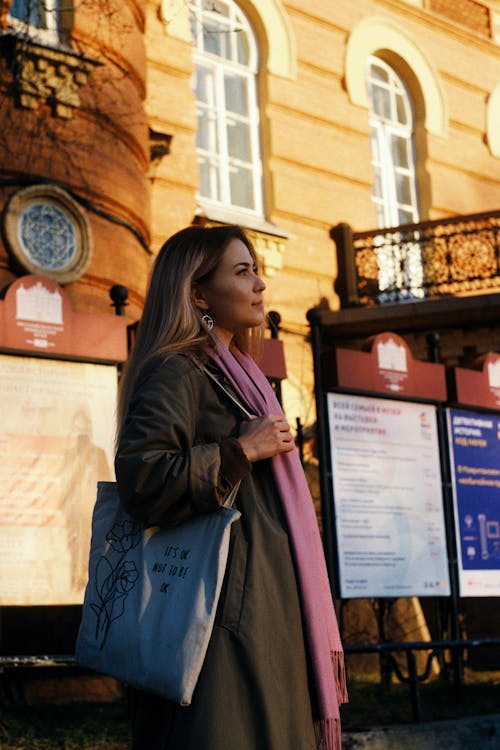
[386, 489]
[474, 439]
[474, 445]
[56, 442]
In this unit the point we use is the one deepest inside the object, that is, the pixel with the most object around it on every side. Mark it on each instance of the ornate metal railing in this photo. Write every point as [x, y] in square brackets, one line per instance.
[453, 256]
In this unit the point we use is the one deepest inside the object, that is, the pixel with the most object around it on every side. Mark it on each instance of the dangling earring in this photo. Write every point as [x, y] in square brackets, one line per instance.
[208, 322]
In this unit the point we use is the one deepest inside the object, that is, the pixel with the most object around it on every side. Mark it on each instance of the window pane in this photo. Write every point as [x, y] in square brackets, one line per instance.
[214, 39]
[206, 136]
[374, 145]
[401, 109]
[214, 7]
[238, 140]
[241, 186]
[381, 102]
[236, 93]
[399, 149]
[377, 183]
[379, 73]
[403, 190]
[27, 11]
[380, 215]
[405, 217]
[243, 48]
[204, 85]
[209, 179]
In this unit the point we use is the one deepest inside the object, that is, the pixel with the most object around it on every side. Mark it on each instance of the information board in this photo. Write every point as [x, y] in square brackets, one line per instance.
[474, 440]
[388, 505]
[56, 442]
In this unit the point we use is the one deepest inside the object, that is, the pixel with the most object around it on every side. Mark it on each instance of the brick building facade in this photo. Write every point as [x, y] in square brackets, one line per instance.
[126, 121]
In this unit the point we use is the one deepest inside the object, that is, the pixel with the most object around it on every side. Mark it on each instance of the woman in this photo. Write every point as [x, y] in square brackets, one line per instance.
[272, 678]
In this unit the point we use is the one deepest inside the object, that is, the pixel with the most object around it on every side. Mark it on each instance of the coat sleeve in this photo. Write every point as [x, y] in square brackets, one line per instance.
[164, 477]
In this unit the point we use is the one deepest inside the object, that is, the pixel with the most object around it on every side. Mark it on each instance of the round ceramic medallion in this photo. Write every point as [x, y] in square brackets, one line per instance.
[47, 233]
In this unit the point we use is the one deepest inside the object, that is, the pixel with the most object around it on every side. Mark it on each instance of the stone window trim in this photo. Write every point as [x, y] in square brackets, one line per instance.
[76, 243]
[281, 59]
[269, 240]
[492, 120]
[159, 147]
[374, 33]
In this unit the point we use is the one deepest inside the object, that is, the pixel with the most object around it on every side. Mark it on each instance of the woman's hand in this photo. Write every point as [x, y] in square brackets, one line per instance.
[264, 437]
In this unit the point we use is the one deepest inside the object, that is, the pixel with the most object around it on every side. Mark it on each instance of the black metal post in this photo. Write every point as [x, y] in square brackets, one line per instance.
[273, 323]
[414, 686]
[454, 621]
[434, 355]
[119, 296]
[314, 318]
[300, 439]
[433, 339]
[346, 284]
[458, 673]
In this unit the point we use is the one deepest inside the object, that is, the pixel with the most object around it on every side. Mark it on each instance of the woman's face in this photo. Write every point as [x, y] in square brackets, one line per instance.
[233, 296]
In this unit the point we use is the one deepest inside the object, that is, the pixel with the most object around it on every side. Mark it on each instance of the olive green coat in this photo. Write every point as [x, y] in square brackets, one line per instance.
[177, 457]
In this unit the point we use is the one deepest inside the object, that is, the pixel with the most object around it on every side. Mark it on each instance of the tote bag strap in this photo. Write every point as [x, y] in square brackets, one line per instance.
[228, 393]
[228, 502]
[231, 497]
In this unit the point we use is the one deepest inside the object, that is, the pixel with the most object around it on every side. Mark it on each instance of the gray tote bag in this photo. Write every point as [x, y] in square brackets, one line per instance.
[151, 596]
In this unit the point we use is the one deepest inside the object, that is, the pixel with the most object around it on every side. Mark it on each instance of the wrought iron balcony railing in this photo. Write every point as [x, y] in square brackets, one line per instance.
[456, 256]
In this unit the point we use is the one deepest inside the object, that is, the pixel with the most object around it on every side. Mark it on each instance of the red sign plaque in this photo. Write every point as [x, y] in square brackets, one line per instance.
[386, 366]
[36, 316]
[481, 386]
[273, 363]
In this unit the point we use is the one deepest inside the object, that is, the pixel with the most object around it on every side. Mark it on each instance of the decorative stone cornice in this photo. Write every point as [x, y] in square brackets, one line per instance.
[47, 75]
[270, 249]
[159, 147]
[269, 245]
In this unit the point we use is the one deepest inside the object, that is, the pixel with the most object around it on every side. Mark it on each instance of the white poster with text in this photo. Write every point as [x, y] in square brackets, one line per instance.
[388, 504]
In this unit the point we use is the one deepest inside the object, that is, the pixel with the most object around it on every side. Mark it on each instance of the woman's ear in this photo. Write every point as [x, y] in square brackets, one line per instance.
[199, 298]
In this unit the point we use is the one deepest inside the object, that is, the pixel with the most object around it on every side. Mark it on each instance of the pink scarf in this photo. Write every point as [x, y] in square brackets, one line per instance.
[320, 622]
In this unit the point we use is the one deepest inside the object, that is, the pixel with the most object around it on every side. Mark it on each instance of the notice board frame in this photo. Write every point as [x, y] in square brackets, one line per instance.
[322, 360]
[57, 442]
[37, 320]
[324, 340]
[373, 403]
[327, 492]
[472, 409]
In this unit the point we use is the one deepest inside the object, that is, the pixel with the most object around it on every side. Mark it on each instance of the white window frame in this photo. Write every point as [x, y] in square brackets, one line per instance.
[217, 152]
[383, 132]
[48, 33]
[400, 268]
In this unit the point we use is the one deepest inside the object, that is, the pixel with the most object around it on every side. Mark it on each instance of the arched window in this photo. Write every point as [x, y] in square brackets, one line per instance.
[400, 270]
[225, 55]
[391, 141]
[39, 17]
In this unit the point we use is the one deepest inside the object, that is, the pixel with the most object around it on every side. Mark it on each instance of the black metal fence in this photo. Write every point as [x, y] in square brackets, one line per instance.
[435, 650]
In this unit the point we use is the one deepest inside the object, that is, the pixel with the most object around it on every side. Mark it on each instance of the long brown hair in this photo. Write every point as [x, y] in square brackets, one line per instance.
[170, 320]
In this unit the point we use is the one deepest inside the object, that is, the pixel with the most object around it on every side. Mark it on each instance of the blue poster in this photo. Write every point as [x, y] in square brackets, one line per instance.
[474, 440]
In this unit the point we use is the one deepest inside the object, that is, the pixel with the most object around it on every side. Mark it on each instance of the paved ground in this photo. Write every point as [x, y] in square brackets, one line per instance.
[482, 733]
